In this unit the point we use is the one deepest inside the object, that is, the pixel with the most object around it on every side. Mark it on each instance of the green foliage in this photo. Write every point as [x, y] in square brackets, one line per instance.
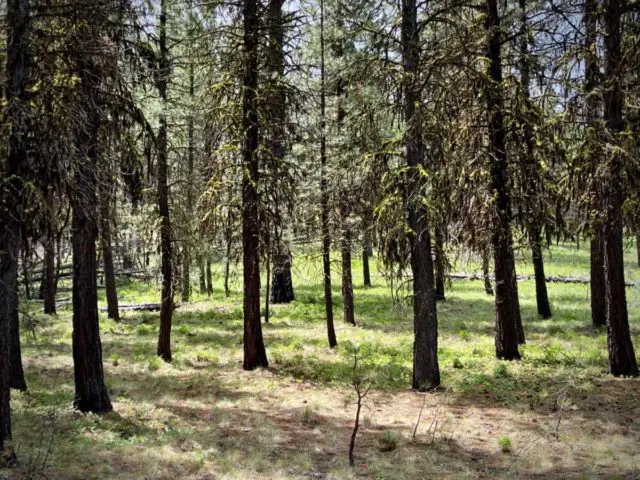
[388, 441]
[505, 444]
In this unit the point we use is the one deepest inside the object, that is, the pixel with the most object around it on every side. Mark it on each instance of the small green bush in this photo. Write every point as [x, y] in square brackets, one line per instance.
[500, 371]
[505, 444]
[155, 363]
[388, 441]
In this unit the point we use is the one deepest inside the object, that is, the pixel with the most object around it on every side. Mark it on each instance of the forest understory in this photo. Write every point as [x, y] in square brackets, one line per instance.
[555, 414]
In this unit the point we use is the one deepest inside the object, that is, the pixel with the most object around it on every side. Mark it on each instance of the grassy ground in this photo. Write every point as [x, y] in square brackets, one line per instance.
[556, 414]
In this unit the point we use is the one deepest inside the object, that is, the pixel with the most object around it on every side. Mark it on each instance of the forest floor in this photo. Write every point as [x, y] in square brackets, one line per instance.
[555, 414]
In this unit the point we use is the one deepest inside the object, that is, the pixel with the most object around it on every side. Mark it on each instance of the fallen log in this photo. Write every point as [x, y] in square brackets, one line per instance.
[550, 279]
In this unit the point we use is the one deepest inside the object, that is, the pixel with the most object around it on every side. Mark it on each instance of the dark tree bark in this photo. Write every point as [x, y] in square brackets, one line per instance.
[507, 310]
[267, 294]
[26, 267]
[254, 351]
[166, 247]
[17, 373]
[426, 371]
[622, 358]
[282, 284]
[488, 289]
[532, 187]
[49, 266]
[347, 277]
[597, 283]
[324, 192]
[209, 278]
[203, 283]
[542, 298]
[107, 254]
[186, 261]
[439, 265]
[12, 202]
[366, 272]
[91, 392]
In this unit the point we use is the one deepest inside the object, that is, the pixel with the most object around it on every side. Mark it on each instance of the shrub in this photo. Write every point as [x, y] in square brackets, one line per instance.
[388, 441]
[500, 371]
[505, 444]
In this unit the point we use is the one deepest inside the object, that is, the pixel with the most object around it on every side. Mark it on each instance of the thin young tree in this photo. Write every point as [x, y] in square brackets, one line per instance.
[324, 188]
[166, 247]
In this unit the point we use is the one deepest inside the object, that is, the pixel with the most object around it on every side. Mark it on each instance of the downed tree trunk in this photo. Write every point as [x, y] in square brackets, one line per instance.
[551, 278]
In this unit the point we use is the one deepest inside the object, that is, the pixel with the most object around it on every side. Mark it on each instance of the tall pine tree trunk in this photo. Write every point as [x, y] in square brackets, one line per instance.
[166, 248]
[324, 192]
[347, 277]
[13, 195]
[426, 371]
[597, 283]
[91, 392]
[488, 289]
[532, 185]
[254, 351]
[209, 278]
[202, 281]
[186, 262]
[49, 264]
[439, 264]
[17, 373]
[507, 310]
[622, 358]
[542, 298]
[107, 253]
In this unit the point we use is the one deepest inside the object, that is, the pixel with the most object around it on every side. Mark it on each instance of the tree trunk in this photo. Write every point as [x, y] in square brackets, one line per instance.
[186, 261]
[209, 278]
[485, 272]
[12, 198]
[91, 392]
[542, 299]
[268, 263]
[107, 254]
[254, 351]
[532, 188]
[203, 283]
[49, 266]
[166, 248]
[622, 358]
[17, 373]
[347, 278]
[638, 247]
[439, 265]
[26, 266]
[597, 283]
[366, 273]
[507, 310]
[324, 192]
[426, 371]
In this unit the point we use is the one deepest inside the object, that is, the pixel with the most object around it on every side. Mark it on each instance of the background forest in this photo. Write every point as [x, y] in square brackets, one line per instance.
[319, 239]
